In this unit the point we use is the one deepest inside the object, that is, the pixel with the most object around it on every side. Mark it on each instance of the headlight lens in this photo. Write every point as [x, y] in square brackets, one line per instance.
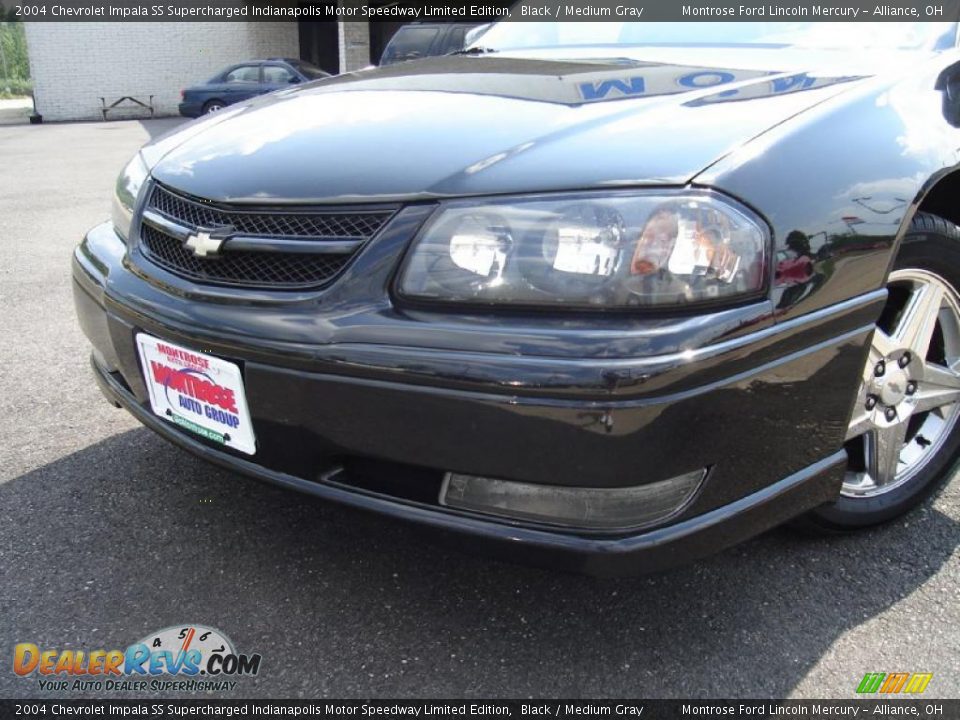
[615, 250]
[129, 184]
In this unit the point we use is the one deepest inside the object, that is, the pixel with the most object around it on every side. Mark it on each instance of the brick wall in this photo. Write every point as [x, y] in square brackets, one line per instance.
[74, 64]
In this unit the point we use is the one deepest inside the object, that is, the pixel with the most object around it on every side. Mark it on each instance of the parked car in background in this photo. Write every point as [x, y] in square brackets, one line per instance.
[244, 81]
[418, 40]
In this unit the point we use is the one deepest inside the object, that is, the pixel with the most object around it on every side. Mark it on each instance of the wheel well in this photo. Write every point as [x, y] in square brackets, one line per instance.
[942, 199]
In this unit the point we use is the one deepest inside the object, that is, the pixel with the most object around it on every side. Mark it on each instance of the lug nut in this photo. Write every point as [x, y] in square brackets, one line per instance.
[871, 402]
[904, 360]
[880, 368]
[890, 414]
[911, 388]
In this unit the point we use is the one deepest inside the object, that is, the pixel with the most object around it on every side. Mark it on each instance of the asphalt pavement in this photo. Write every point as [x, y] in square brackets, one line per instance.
[108, 533]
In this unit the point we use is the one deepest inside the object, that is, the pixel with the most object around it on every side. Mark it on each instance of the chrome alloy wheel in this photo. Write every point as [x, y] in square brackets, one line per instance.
[908, 400]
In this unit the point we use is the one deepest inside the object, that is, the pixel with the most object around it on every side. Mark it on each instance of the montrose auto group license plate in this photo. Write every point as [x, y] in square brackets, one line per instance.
[198, 392]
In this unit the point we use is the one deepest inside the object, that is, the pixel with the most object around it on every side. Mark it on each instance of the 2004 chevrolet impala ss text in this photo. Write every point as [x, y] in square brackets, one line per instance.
[605, 296]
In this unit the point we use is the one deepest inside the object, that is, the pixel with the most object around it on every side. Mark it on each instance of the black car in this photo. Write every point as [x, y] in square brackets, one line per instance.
[244, 81]
[687, 293]
[419, 40]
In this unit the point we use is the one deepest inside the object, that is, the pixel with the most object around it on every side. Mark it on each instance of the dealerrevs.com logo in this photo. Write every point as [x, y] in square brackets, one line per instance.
[181, 658]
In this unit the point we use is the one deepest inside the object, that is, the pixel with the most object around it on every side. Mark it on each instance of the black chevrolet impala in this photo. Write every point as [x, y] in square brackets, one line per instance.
[608, 296]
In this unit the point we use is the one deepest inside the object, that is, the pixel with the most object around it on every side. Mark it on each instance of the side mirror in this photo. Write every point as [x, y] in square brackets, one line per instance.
[293, 80]
[949, 84]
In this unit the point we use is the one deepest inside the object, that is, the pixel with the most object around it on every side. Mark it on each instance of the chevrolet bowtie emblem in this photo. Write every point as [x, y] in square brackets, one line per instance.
[207, 243]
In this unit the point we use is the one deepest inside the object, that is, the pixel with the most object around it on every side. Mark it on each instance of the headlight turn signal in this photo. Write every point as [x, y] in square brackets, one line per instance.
[129, 184]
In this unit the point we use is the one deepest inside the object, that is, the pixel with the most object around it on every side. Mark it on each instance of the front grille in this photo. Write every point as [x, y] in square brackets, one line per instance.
[272, 224]
[278, 270]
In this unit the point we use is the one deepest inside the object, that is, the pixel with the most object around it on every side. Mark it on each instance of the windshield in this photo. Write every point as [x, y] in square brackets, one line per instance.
[823, 35]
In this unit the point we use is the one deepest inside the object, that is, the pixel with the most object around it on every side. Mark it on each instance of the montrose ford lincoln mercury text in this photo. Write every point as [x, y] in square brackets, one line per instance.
[604, 295]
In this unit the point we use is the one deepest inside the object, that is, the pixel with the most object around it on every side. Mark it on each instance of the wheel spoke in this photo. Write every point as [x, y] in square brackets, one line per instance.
[861, 420]
[919, 319]
[883, 446]
[881, 346]
[940, 386]
[859, 423]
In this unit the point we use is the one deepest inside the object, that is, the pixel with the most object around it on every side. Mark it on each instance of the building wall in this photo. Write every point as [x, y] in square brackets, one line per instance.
[73, 65]
[354, 45]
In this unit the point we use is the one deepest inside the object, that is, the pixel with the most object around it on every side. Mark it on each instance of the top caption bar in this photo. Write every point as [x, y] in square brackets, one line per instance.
[527, 11]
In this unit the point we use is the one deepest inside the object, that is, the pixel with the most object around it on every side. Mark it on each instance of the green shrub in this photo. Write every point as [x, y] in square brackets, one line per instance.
[10, 88]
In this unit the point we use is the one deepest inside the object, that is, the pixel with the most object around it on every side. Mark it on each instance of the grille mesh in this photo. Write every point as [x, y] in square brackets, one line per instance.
[273, 224]
[256, 269]
[279, 270]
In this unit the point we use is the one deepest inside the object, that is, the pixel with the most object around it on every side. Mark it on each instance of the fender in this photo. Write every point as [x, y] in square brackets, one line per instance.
[843, 181]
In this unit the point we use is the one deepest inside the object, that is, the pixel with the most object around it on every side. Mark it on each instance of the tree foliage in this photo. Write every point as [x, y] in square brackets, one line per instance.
[13, 52]
[8, 14]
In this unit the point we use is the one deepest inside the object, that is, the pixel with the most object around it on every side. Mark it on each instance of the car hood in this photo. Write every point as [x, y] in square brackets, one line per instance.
[459, 126]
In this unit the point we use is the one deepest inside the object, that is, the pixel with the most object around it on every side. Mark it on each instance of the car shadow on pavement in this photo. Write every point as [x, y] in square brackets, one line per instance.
[131, 535]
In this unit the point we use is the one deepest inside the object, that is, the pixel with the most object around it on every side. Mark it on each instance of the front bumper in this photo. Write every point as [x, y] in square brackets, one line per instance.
[764, 409]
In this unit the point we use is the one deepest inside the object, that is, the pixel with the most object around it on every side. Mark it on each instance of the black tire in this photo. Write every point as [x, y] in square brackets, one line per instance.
[213, 106]
[931, 244]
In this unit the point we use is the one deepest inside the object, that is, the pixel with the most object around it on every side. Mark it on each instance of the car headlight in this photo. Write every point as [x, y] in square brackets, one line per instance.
[613, 250]
[129, 184]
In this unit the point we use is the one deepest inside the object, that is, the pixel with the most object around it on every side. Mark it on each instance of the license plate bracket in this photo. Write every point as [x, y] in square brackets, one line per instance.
[199, 392]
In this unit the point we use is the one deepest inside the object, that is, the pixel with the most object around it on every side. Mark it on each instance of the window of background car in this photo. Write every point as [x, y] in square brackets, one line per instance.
[276, 74]
[409, 43]
[824, 35]
[454, 40]
[245, 74]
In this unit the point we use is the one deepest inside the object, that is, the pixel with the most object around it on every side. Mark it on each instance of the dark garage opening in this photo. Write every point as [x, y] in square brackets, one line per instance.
[319, 44]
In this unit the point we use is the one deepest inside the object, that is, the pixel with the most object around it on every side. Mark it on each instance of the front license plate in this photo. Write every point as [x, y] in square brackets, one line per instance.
[198, 392]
